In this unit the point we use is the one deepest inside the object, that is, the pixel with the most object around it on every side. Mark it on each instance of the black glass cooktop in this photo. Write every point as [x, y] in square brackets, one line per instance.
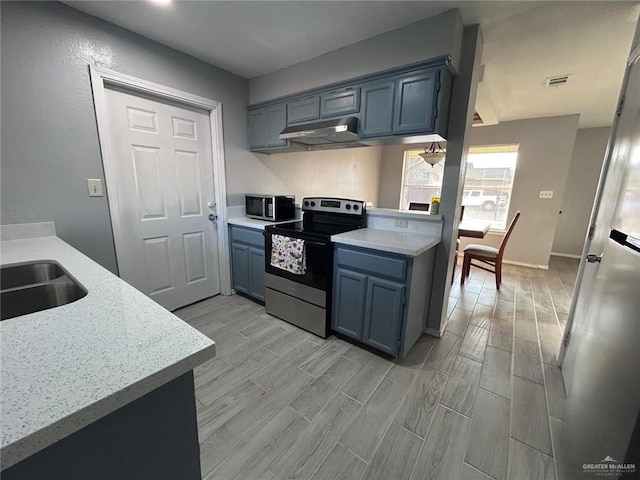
[320, 225]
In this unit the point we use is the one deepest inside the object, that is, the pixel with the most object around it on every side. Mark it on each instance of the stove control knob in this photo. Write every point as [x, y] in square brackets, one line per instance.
[356, 207]
[306, 203]
[347, 206]
[313, 204]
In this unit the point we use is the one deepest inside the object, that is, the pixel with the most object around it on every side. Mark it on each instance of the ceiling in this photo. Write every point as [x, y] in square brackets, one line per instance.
[525, 42]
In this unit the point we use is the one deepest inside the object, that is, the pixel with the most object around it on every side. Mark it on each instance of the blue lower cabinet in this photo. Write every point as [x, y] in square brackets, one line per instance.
[256, 273]
[381, 299]
[247, 261]
[240, 263]
[383, 314]
[366, 306]
[348, 302]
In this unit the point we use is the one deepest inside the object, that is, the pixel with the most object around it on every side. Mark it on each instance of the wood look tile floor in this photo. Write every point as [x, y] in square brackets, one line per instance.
[280, 403]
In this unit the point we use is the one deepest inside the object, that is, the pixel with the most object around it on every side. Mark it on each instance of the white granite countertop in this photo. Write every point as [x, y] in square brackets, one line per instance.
[255, 223]
[395, 213]
[66, 367]
[405, 243]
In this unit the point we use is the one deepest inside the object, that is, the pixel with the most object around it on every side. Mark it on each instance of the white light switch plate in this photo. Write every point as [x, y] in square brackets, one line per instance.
[546, 194]
[95, 187]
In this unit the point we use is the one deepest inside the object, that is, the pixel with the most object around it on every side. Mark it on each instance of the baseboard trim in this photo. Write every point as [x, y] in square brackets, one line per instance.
[523, 264]
[566, 255]
[433, 332]
[520, 264]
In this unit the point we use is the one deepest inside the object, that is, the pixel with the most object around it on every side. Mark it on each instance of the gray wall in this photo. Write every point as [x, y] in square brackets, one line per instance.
[49, 134]
[347, 173]
[428, 38]
[546, 146]
[580, 190]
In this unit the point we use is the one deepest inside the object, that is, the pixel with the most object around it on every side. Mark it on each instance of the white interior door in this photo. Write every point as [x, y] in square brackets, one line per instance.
[600, 362]
[162, 164]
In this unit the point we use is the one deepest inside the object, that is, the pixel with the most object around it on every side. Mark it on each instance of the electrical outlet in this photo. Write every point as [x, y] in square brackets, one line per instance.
[95, 187]
[402, 223]
[546, 194]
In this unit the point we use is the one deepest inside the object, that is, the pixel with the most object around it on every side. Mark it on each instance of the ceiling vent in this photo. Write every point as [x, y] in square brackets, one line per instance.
[557, 81]
[477, 119]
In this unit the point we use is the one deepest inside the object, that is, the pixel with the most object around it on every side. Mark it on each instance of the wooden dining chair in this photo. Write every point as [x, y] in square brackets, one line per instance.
[487, 255]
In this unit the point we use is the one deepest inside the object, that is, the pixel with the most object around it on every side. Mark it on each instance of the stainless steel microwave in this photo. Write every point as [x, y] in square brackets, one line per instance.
[270, 207]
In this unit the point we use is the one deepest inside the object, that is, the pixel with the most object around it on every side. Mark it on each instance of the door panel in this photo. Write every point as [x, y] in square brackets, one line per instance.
[184, 128]
[600, 362]
[188, 176]
[167, 246]
[276, 122]
[194, 262]
[384, 306]
[241, 269]
[142, 120]
[303, 110]
[416, 95]
[147, 178]
[158, 265]
[377, 109]
[256, 268]
[340, 102]
[257, 128]
[348, 303]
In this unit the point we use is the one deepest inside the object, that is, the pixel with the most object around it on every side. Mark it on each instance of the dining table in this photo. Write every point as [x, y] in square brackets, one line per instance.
[473, 228]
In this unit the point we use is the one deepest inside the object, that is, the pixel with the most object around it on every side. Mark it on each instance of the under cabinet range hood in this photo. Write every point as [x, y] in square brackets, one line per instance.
[339, 132]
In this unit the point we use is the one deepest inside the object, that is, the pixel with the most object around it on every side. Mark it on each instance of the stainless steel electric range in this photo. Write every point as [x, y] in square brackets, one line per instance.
[304, 298]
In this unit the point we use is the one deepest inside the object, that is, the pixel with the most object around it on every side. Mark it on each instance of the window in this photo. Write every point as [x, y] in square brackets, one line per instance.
[487, 187]
[420, 181]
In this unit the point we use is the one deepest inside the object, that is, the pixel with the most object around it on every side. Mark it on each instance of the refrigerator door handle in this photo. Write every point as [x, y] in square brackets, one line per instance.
[593, 258]
[625, 240]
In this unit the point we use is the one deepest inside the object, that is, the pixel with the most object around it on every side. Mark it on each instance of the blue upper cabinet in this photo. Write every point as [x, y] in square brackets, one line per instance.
[276, 122]
[303, 110]
[376, 117]
[257, 126]
[403, 105]
[416, 99]
[264, 127]
[339, 102]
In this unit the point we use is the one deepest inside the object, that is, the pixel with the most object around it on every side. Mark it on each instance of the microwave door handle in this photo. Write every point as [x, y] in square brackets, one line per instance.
[264, 207]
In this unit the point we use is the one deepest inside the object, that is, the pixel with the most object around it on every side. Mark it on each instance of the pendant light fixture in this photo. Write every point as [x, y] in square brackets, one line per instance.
[433, 154]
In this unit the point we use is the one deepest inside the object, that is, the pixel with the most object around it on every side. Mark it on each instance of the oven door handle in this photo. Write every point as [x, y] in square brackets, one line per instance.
[316, 244]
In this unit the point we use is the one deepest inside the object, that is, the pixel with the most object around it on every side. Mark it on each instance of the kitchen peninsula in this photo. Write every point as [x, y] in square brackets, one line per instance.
[98, 388]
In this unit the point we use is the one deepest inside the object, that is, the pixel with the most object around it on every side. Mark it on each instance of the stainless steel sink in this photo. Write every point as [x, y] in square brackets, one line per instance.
[36, 286]
[28, 274]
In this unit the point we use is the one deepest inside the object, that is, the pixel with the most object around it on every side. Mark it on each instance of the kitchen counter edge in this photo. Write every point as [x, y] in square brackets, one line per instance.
[48, 425]
[404, 243]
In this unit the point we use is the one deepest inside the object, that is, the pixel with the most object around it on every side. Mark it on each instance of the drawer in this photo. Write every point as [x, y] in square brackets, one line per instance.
[247, 235]
[340, 102]
[368, 262]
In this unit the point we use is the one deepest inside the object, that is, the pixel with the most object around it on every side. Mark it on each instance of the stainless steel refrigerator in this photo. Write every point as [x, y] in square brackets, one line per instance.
[598, 432]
